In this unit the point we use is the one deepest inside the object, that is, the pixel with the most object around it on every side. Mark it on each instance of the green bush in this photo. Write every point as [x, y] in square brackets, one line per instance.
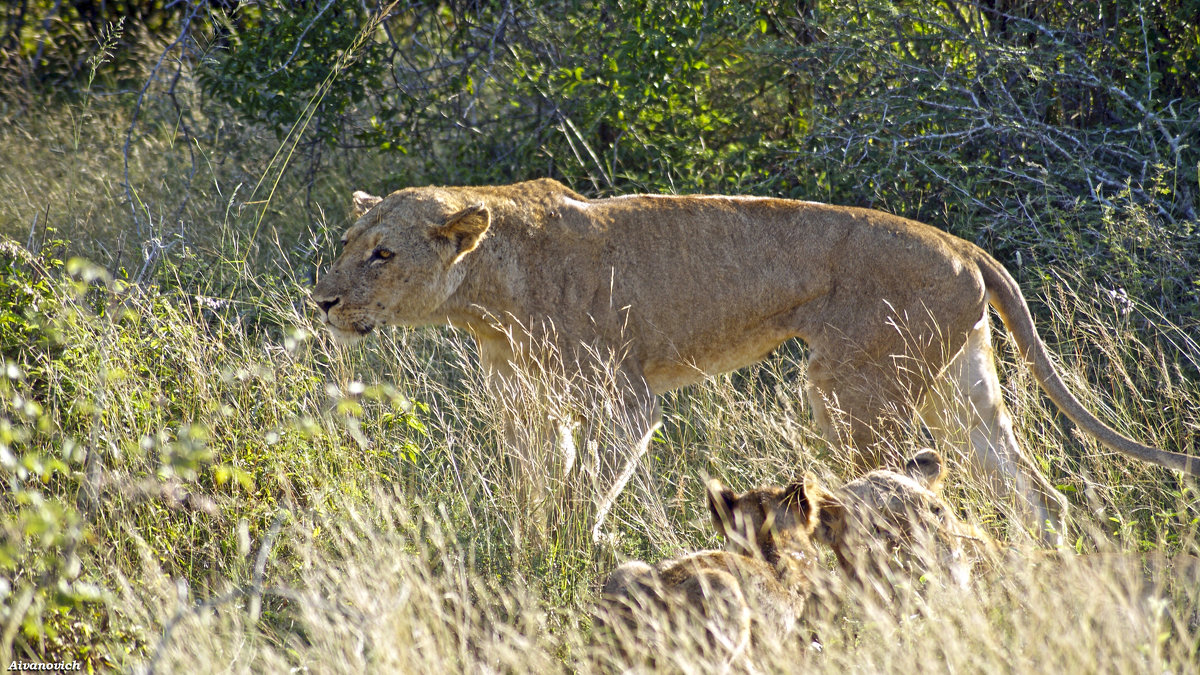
[1039, 133]
[197, 478]
[133, 416]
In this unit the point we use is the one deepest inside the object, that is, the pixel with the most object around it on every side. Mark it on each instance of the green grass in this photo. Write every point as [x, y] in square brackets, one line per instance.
[198, 479]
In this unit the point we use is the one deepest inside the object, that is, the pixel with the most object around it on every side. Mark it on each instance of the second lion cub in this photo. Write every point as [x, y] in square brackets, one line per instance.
[722, 601]
[887, 525]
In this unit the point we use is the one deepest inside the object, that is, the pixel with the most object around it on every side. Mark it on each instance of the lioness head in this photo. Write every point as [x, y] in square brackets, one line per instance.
[767, 521]
[887, 521]
[400, 260]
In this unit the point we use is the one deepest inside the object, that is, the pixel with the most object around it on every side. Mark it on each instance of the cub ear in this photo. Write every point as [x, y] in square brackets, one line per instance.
[465, 229]
[831, 521]
[720, 506]
[927, 468]
[831, 531]
[804, 497]
[363, 202]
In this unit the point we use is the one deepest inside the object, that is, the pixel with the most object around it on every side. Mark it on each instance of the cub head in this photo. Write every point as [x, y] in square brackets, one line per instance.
[888, 520]
[400, 260]
[767, 521]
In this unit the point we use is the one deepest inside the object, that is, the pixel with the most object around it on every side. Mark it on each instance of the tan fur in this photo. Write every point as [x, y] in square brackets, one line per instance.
[755, 590]
[894, 312]
[887, 523]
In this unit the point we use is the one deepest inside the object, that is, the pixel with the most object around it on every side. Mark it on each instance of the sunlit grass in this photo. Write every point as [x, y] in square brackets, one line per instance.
[199, 479]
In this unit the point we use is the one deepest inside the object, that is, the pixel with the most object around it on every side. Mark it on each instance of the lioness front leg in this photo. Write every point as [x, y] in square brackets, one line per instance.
[532, 414]
[621, 427]
[538, 412]
[535, 422]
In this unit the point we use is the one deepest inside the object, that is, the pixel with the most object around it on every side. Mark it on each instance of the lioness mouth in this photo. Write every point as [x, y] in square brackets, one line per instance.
[353, 333]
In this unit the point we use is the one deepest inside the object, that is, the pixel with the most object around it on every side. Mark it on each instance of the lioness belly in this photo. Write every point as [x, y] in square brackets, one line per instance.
[664, 373]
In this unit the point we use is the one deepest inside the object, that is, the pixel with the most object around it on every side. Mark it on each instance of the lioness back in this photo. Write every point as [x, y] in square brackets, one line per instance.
[709, 284]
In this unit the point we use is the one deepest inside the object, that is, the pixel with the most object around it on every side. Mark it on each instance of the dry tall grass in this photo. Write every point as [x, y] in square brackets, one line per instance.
[260, 499]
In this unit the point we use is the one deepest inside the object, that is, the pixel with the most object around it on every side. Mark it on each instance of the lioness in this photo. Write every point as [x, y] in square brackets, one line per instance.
[754, 590]
[677, 288]
[887, 522]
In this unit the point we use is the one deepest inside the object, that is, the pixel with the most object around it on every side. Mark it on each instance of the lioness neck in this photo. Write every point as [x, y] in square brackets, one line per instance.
[489, 297]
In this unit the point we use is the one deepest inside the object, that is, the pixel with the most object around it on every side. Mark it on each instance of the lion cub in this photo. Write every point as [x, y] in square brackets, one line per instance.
[888, 522]
[722, 601]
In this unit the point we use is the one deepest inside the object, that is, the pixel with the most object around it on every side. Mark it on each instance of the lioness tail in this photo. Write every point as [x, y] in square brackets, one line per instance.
[1005, 295]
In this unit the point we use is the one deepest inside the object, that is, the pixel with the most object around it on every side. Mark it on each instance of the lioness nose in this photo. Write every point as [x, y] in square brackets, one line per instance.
[325, 305]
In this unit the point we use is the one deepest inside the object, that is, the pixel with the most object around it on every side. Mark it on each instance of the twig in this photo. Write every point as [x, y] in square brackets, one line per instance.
[260, 565]
[300, 41]
[187, 139]
[184, 35]
[37, 59]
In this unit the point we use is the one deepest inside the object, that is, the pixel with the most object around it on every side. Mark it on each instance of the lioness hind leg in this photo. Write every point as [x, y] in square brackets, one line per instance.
[965, 410]
[852, 413]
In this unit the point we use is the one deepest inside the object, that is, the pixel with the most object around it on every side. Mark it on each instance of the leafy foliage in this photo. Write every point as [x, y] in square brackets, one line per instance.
[115, 398]
[192, 470]
[283, 59]
[1018, 125]
[634, 93]
[1021, 126]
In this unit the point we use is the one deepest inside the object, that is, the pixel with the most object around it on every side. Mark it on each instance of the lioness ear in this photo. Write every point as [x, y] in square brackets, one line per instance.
[465, 229]
[927, 468]
[363, 202]
[720, 506]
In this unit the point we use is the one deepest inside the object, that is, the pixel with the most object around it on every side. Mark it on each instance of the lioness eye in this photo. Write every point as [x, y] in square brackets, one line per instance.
[381, 254]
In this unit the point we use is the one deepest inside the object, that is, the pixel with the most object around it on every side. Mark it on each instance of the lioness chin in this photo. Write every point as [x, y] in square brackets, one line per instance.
[673, 289]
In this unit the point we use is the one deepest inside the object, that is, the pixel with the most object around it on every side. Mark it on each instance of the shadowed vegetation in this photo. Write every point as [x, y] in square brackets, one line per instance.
[197, 478]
